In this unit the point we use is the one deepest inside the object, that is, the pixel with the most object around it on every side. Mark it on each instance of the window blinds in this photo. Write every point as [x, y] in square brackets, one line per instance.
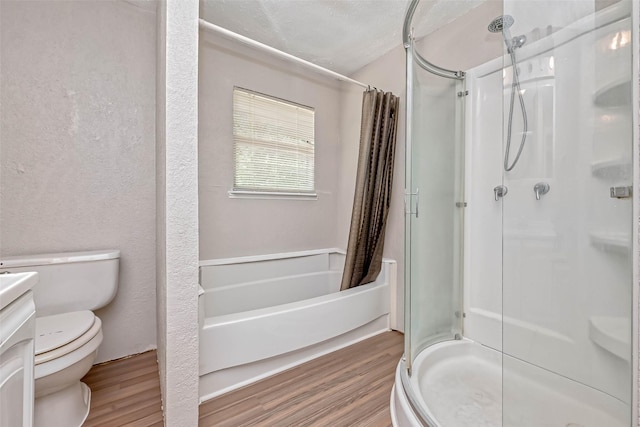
[273, 144]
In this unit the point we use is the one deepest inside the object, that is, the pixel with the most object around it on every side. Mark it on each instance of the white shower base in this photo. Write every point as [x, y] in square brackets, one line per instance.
[460, 384]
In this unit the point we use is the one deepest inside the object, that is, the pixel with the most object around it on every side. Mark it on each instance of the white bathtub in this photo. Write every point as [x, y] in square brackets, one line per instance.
[263, 314]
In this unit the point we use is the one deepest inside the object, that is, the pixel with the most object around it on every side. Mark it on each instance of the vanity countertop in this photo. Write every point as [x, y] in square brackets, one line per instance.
[12, 286]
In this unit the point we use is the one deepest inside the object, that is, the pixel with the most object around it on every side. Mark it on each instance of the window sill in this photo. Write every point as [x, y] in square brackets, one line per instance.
[243, 194]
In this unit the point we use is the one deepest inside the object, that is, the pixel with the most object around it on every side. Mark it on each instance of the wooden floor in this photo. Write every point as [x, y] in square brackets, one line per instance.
[350, 387]
[125, 392]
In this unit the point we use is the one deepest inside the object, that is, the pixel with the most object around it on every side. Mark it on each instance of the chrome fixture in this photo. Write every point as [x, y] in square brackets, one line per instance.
[502, 24]
[621, 192]
[518, 41]
[408, 210]
[407, 39]
[230, 35]
[541, 189]
[500, 191]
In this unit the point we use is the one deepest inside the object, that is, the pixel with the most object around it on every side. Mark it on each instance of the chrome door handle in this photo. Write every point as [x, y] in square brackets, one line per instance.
[500, 191]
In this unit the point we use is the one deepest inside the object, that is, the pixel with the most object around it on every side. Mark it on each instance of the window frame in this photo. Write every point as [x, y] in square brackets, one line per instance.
[249, 193]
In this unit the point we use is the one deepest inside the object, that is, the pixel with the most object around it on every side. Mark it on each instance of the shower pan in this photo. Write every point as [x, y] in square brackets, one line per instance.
[521, 258]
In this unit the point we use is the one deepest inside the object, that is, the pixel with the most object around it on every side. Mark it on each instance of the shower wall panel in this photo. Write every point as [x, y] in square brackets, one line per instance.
[549, 281]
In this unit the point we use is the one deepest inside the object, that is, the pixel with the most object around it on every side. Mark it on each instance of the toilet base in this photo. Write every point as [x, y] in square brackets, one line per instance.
[68, 407]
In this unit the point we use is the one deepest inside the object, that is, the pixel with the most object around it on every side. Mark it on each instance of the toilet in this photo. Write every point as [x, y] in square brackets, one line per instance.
[71, 286]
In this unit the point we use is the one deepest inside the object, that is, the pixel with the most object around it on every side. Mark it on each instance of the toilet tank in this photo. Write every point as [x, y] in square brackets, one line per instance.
[69, 281]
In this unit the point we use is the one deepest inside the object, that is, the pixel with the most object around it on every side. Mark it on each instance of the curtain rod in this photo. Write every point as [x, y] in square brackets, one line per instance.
[250, 42]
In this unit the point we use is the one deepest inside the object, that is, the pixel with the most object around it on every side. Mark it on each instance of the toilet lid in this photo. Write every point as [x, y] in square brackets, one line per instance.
[60, 329]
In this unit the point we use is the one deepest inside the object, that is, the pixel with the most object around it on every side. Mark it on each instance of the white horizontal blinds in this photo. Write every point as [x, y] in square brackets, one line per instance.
[273, 144]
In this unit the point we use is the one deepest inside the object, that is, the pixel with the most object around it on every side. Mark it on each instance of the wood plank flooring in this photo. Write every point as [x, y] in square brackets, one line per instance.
[125, 392]
[350, 387]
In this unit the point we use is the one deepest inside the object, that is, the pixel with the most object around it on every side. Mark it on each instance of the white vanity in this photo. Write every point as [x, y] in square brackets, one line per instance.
[17, 338]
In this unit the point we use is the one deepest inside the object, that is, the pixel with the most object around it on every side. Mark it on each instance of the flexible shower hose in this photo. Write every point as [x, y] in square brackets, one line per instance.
[515, 87]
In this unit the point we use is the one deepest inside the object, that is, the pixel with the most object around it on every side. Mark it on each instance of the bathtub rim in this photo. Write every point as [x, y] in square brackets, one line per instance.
[394, 320]
[276, 256]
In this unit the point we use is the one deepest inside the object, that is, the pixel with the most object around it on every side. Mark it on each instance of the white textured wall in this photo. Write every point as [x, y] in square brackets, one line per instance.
[161, 188]
[236, 227]
[177, 228]
[77, 146]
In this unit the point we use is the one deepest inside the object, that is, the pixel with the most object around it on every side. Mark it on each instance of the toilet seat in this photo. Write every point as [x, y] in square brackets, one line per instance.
[67, 345]
[61, 334]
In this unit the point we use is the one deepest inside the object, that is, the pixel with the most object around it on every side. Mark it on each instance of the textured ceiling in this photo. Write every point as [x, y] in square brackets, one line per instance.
[342, 35]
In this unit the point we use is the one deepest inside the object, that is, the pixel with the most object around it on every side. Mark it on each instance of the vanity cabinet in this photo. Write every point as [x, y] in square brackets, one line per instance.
[17, 341]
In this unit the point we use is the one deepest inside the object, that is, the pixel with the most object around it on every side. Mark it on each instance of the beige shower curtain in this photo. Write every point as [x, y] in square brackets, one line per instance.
[373, 188]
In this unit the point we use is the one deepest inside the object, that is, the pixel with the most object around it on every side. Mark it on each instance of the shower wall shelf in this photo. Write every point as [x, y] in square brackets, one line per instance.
[616, 168]
[611, 241]
[612, 334]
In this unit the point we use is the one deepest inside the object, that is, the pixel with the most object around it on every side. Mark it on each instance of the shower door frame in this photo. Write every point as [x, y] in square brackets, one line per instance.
[411, 203]
[635, 252]
[411, 55]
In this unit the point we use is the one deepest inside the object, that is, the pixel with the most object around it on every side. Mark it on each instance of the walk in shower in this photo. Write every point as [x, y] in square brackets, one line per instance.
[521, 222]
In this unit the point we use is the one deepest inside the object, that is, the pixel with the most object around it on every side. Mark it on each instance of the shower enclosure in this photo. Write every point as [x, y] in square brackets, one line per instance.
[521, 223]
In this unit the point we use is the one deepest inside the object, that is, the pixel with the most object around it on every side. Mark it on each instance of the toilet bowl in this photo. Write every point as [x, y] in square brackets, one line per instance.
[66, 347]
[68, 333]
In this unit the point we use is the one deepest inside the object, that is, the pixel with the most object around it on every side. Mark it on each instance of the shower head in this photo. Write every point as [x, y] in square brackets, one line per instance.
[500, 23]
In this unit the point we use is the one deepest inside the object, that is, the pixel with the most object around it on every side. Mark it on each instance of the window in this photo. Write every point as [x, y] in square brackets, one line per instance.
[273, 145]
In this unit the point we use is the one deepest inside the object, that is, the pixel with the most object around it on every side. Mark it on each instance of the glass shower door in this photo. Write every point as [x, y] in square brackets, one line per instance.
[434, 211]
[567, 218]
